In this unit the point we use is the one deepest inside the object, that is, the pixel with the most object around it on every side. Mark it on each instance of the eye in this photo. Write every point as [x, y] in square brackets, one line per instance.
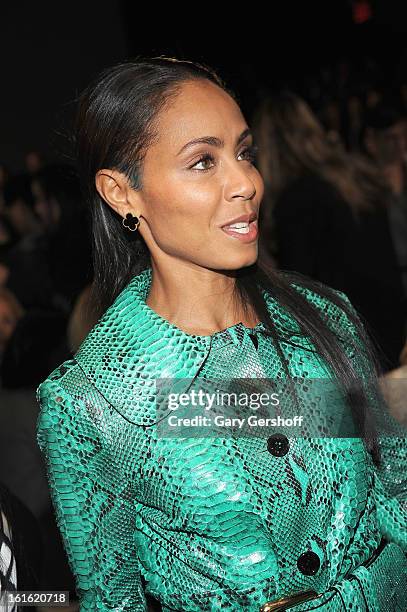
[204, 158]
[249, 153]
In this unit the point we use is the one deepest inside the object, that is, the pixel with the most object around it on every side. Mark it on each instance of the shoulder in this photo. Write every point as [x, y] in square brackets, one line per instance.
[344, 320]
[331, 305]
[60, 380]
[67, 402]
[333, 302]
[338, 325]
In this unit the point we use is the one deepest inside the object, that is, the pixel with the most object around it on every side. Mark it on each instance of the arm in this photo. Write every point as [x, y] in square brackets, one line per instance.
[390, 478]
[92, 502]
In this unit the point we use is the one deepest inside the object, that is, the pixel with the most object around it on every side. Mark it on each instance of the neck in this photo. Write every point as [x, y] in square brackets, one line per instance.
[197, 300]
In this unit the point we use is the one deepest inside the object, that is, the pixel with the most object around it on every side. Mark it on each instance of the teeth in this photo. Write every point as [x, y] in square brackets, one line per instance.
[241, 230]
[239, 225]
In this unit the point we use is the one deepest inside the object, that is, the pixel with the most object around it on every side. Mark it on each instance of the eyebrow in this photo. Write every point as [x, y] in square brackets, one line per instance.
[214, 141]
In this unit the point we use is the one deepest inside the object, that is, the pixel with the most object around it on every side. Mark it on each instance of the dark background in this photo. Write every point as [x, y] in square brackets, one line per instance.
[331, 52]
[51, 50]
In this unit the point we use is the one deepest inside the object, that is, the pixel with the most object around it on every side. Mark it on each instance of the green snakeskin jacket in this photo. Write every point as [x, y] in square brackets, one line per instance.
[211, 523]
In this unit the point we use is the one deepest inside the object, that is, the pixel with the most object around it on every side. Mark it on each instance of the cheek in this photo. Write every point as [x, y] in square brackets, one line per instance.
[259, 183]
[183, 219]
[184, 210]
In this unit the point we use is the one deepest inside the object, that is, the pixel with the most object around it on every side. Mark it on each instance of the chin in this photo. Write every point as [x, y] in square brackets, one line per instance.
[240, 261]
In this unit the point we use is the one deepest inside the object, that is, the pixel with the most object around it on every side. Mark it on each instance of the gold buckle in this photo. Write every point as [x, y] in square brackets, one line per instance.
[288, 601]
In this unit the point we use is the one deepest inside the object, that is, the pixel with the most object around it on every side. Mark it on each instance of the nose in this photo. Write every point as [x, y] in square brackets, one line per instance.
[242, 194]
[239, 184]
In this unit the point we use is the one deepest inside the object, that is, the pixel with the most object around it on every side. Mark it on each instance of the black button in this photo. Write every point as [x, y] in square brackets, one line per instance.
[308, 563]
[278, 445]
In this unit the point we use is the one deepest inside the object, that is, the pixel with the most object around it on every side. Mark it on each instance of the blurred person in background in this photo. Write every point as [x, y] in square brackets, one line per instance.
[19, 207]
[4, 175]
[27, 269]
[10, 313]
[38, 341]
[386, 143]
[58, 203]
[327, 217]
[37, 344]
[33, 162]
[8, 235]
[21, 550]
[354, 123]
[44, 270]
[332, 120]
[373, 97]
[8, 566]
[4, 272]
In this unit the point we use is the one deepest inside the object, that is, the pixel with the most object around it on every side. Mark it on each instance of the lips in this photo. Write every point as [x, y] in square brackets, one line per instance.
[247, 235]
[247, 218]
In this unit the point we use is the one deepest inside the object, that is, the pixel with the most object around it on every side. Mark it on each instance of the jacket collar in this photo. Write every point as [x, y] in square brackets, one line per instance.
[131, 346]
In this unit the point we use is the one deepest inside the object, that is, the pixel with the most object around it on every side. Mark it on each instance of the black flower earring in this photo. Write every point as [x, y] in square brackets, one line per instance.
[131, 222]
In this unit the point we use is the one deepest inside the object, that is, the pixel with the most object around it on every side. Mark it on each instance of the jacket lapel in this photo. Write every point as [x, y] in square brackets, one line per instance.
[131, 347]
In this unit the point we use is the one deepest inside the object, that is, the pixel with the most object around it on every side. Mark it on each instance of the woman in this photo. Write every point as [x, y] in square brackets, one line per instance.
[328, 217]
[209, 522]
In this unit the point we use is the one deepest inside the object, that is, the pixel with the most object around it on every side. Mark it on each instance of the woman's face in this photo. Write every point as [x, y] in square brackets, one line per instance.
[191, 190]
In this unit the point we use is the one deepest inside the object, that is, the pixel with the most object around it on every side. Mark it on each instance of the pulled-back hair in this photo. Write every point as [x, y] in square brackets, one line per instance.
[115, 126]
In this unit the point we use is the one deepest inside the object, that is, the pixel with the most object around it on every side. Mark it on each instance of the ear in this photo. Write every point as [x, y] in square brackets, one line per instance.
[113, 187]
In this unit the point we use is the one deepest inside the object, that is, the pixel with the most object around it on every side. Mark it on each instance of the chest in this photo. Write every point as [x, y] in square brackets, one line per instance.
[302, 475]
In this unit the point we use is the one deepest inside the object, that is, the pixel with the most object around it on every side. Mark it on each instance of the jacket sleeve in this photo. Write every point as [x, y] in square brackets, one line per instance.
[92, 502]
[390, 478]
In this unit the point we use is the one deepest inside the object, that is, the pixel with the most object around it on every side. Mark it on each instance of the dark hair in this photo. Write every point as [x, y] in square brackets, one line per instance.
[115, 126]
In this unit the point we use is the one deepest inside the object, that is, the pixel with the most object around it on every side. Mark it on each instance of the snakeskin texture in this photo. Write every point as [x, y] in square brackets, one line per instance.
[212, 523]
